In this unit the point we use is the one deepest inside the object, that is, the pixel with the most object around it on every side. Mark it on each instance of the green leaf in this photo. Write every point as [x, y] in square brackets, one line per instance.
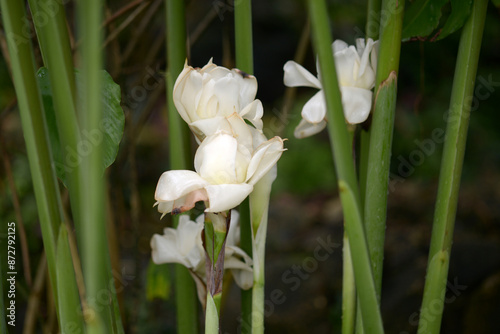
[496, 3]
[108, 134]
[70, 311]
[158, 281]
[422, 18]
[460, 11]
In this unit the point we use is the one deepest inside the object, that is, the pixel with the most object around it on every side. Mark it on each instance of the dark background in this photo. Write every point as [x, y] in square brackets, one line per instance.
[303, 293]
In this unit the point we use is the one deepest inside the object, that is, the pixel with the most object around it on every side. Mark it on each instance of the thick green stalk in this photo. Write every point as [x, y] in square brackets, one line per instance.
[344, 164]
[244, 61]
[51, 28]
[259, 207]
[243, 35]
[372, 31]
[379, 156]
[185, 289]
[38, 149]
[451, 170]
[94, 245]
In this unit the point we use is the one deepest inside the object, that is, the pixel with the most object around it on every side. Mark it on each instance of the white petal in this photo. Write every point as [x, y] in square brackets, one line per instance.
[314, 111]
[175, 184]
[225, 197]
[187, 233]
[187, 94]
[253, 112]
[227, 92]
[347, 65]
[164, 249]
[243, 278]
[296, 75]
[339, 45]
[264, 158]
[306, 129]
[357, 103]
[241, 131]
[203, 128]
[233, 235]
[215, 159]
[247, 86]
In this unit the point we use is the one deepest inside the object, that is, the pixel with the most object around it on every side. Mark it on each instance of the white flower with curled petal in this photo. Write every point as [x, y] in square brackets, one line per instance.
[355, 68]
[183, 245]
[227, 163]
[213, 92]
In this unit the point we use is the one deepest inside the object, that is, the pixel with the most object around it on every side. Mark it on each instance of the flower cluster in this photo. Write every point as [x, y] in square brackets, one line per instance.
[184, 246]
[355, 68]
[233, 155]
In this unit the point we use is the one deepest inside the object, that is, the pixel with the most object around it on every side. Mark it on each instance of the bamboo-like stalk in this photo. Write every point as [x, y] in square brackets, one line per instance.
[451, 169]
[94, 242]
[244, 61]
[179, 152]
[377, 177]
[35, 134]
[344, 164]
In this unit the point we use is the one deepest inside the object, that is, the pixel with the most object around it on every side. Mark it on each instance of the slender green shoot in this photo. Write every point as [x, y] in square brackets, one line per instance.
[451, 170]
[180, 157]
[344, 164]
[244, 61]
[377, 179]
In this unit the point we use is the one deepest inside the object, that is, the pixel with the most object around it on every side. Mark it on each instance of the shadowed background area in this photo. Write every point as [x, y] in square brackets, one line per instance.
[304, 251]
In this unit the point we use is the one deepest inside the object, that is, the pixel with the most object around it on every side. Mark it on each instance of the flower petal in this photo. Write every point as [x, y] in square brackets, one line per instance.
[215, 159]
[296, 75]
[314, 111]
[264, 158]
[346, 65]
[247, 86]
[175, 184]
[223, 197]
[357, 103]
[253, 112]
[307, 129]
[339, 45]
[187, 93]
[227, 92]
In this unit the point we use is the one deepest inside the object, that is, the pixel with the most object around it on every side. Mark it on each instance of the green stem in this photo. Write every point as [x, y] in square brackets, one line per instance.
[377, 179]
[244, 61]
[451, 169]
[344, 164]
[35, 134]
[348, 290]
[179, 153]
[94, 243]
[259, 207]
[243, 35]
[54, 43]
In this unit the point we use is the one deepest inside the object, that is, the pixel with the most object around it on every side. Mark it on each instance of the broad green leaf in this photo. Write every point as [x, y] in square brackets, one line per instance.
[158, 281]
[108, 134]
[68, 298]
[422, 18]
[460, 11]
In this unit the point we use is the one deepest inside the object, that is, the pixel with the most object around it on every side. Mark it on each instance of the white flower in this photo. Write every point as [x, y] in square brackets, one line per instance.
[355, 68]
[227, 163]
[214, 92]
[184, 246]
